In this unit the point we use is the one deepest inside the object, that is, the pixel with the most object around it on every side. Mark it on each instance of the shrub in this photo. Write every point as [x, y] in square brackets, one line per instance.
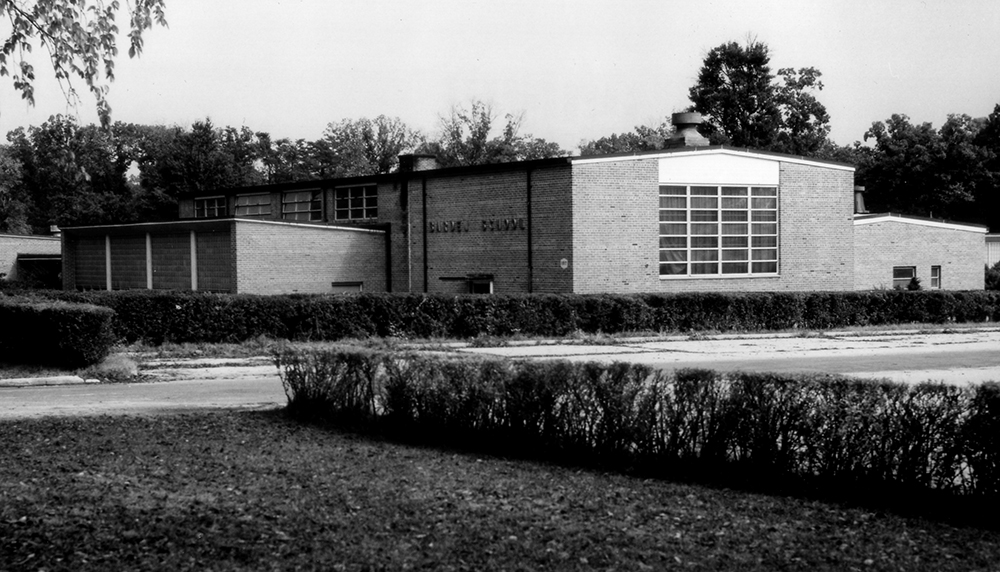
[54, 333]
[156, 317]
[843, 434]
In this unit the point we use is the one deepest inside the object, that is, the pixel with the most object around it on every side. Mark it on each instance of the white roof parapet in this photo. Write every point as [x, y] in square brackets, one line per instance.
[700, 151]
[863, 219]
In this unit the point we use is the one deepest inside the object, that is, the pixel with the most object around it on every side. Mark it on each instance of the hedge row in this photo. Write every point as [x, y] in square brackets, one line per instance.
[840, 433]
[55, 333]
[156, 317]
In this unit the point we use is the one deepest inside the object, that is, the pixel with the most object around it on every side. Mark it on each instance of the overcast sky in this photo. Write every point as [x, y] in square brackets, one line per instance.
[578, 69]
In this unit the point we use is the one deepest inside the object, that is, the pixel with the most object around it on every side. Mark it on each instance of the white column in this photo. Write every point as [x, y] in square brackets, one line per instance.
[107, 261]
[194, 261]
[149, 261]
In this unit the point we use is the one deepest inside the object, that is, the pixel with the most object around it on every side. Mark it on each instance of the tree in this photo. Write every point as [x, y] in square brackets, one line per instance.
[365, 146]
[735, 94]
[14, 205]
[643, 138]
[916, 169]
[746, 106]
[80, 37]
[464, 139]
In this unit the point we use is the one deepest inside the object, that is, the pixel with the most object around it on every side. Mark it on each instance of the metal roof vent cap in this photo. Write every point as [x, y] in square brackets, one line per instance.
[686, 126]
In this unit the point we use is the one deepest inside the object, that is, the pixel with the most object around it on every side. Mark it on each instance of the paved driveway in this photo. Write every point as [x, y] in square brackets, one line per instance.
[959, 357]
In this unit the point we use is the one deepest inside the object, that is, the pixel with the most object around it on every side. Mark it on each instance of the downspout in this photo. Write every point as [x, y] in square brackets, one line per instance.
[531, 269]
[423, 230]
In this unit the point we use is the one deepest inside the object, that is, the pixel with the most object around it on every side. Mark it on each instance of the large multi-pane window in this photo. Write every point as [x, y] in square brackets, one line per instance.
[209, 207]
[355, 203]
[253, 205]
[718, 230]
[302, 205]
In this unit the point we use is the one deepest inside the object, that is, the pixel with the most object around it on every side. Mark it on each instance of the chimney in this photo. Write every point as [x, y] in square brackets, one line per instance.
[686, 125]
[859, 200]
[413, 162]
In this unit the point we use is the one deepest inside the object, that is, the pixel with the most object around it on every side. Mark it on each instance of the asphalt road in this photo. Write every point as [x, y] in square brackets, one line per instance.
[959, 357]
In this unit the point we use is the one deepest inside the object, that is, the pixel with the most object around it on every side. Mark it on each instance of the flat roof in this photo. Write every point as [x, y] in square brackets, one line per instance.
[521, 166]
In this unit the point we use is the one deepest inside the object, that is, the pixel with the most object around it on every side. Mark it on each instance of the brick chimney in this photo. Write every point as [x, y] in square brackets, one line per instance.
[413, 162]
[686, 124]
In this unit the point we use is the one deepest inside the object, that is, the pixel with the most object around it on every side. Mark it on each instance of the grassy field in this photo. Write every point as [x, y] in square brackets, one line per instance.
[254, 490]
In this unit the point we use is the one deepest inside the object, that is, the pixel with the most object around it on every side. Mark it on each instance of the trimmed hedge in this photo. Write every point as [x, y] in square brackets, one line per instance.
[55, 333]
[838, 433]
[157, 317]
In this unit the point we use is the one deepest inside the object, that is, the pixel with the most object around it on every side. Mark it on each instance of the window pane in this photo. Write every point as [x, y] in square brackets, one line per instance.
[704, 190]
[672, 190]
[734, 254]
[710, 216]
[734, 241]
[766, 228]
[704, 228]
[703, 268]
[907, 272]
[728, 203]
[673, 228]
[673, 256]
[734, 267]
[765, 254]
[704, 203]
[734, 216]
[673, 242]
[734, 191]
[704, 242]
[765, 241]
[764, 191]
[673, 202]
[666, 216]
[673, 269]
[764, 267]
[764, 203]
[704, 255]
[766, 216]
[734, 229]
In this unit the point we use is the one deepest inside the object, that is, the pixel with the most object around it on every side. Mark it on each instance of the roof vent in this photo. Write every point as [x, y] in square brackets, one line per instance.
[686, 124]
[859, 200]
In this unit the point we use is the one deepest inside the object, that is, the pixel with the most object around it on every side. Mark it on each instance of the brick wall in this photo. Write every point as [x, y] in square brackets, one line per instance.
[615, 231]
[276, 258]
[880, 246]
[479, 224]
[214, 253]
[615, 227]
[171, 254]
[128, 262]
[84, 263]
[12, 245]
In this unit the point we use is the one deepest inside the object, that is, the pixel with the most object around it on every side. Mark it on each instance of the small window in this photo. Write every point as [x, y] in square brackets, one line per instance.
[209, 207]
[355, 203]
[253, 205]
[481, 286]
[935, 277]
[302, 205]
[347, 287]
[902, 275]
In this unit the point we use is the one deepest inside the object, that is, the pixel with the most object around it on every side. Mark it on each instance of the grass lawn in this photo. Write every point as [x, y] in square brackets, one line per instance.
[253, 490]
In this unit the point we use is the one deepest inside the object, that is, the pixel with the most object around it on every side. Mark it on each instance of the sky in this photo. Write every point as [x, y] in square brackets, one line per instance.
[577, 70]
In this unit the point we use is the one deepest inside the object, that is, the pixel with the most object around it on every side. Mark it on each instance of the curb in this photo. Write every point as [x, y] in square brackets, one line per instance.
[42, 381]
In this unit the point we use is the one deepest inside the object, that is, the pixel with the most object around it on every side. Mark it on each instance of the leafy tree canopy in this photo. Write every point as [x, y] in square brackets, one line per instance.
[466, 138]
[745, 105]
[643, 138]
[80, 38]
